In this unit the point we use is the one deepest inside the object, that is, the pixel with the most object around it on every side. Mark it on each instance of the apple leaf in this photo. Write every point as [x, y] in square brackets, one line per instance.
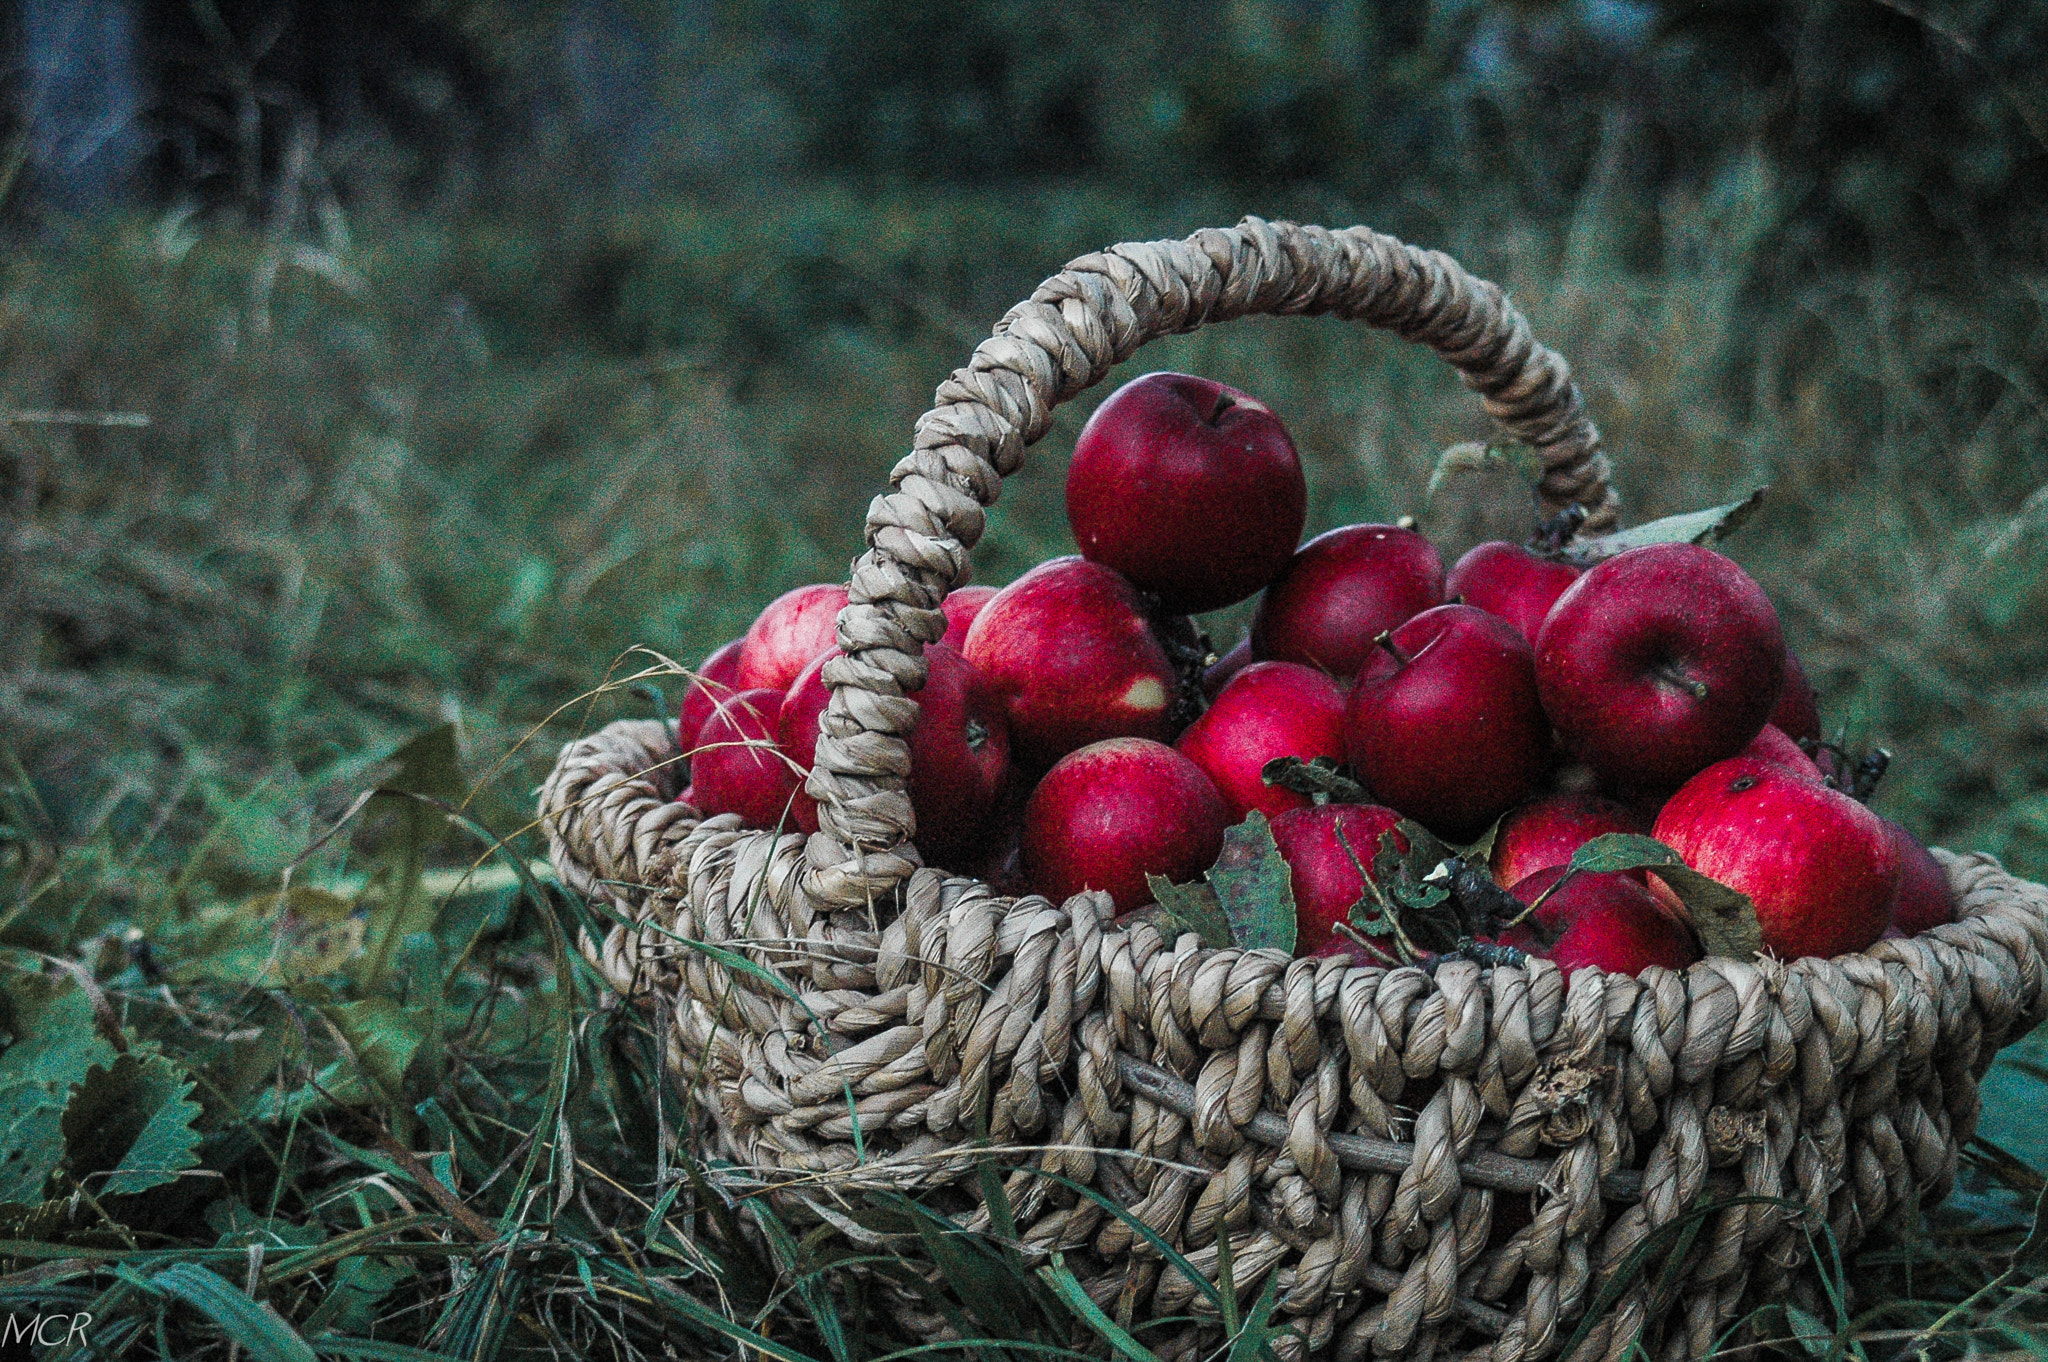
[1694, 527]
[1474, 457]
[1252, 883]
[130, 1123]
[1724, 919]
[1615, 851]
[1189, 908]
[1319, 777]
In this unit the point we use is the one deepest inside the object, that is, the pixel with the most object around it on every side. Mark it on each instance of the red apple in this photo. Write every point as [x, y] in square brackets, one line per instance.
[796, 627]
[1818, 866]
[1507, 580]
[737, 768]
[1924, 899]
[1770, 744]
[961, 605]
[1798, 709]
[1190, 489]
[1546, 831]
[1341, 591]
[1659, 662]
[1113, 812]
[1268, 710]
[959, 750]
[1070, 651]
[717, 679]
[1610, 922]
[1325, 879]
[1230, 664]
[1444, 724]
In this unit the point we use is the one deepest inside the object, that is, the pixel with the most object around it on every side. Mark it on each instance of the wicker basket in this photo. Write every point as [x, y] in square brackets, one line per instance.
[1358, 1131]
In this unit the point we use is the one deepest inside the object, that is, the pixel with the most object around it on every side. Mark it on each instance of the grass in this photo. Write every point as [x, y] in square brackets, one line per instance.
[402, 504]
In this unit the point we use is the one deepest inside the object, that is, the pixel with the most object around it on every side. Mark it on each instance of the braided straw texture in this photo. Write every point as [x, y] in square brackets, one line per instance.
[1832, 1091]
[1465, 1161]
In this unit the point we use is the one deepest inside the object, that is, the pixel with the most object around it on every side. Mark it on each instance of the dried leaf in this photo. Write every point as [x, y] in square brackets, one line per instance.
[1724, 919]
[1318, 777]
[1694, 527]
[1474, 457]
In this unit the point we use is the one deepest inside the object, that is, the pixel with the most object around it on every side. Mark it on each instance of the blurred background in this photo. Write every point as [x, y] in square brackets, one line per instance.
[375, 376]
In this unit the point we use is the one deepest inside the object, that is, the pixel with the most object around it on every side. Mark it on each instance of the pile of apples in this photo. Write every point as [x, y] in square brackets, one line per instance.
[1077, 733]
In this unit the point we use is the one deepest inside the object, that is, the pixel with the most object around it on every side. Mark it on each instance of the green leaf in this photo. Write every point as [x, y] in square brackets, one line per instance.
[1068, 1288]
[1474, 457]
[54, 1037]
[1255, 1337]
[1723, 918]
[430, 763]
[31, 1141]
[375, 1350]
[263, 1334]
[1694, 527]
[133, 1122]
[1252, 883]
[1616, 851]
[360, 1285]
[385, 1036]
[1189, 908]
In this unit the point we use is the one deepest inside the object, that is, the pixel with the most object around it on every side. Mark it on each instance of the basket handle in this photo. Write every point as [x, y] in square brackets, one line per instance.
[1062, 340]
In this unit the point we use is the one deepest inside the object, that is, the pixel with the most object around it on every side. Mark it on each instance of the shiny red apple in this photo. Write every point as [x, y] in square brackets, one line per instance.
[1268, 710]
[1819, 867]
[1342, 590]
[1797, 714]
[1659, 662]
[1770, 744]
[1508, 580]
[1072, 655]
[1444, 723]
[961, 605]
[1326, 847]
[1190, 489]
[959, 751]
[785, 638]
[1610, 922]
[1924, 899]
[718, 678]
[1113, 812]
[1547, 830]
[738, 768]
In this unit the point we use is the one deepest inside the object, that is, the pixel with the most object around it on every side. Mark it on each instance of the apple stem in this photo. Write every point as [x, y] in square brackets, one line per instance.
[1675, 675]
[1224, 403]
[1352, 934]
[1386, 640]
[1543, 897]
[977, 735]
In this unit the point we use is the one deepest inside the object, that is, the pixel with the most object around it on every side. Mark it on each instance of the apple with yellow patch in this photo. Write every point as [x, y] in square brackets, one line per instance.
[1074, 655]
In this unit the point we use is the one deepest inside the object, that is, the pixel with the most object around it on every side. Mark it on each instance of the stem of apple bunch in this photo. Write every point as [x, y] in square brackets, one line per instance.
[1385, 640]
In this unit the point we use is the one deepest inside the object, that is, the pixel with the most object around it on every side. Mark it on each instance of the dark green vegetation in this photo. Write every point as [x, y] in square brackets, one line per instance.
[431, 443]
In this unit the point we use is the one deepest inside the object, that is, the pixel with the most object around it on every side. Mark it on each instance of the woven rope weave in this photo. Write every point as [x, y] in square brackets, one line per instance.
[1363, 1133]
